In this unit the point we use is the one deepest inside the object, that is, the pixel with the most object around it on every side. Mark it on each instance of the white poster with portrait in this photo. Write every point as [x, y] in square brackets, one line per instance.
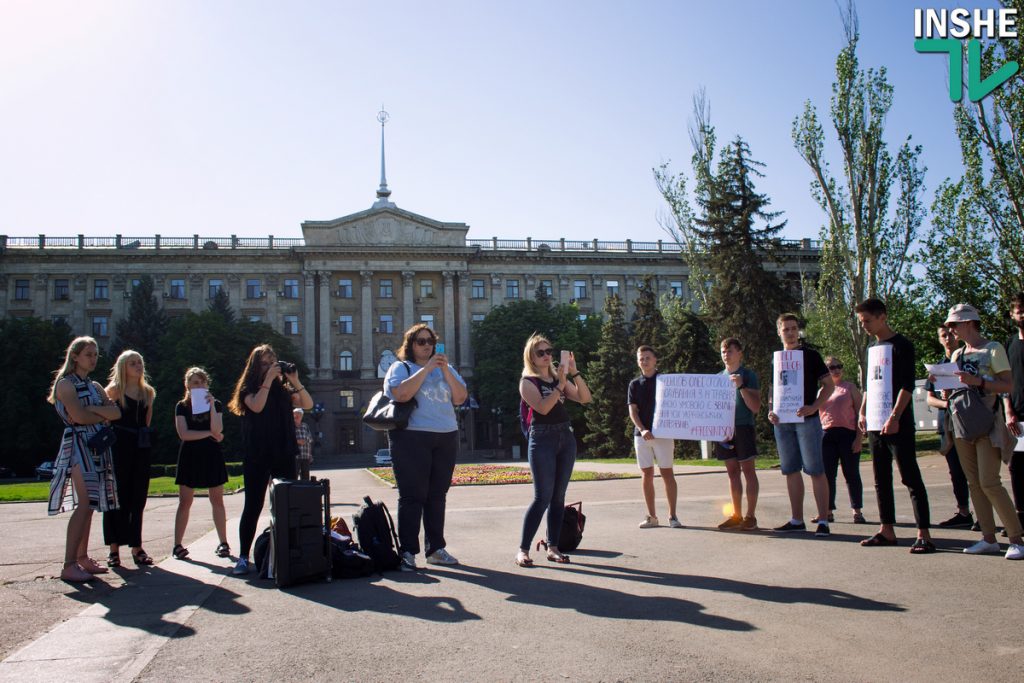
[694, 407]
[879, 386]
[788, 384]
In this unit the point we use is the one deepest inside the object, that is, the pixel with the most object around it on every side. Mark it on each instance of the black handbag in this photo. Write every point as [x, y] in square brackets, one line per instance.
[103, 439]
[383, 414]
[145, 437]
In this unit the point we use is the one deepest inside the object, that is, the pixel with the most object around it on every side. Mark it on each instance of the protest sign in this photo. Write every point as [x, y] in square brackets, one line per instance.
[879, 386]
[788, 384]
[694, 407]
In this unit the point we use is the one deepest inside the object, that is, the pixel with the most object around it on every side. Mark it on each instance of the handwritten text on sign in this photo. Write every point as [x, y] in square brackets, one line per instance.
[694, 407]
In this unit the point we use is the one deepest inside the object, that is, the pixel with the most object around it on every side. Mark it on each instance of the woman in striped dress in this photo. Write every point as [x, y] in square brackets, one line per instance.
[83, 479]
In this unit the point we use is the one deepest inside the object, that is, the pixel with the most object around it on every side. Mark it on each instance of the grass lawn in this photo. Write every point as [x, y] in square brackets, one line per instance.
[483, 475]
[34, 491]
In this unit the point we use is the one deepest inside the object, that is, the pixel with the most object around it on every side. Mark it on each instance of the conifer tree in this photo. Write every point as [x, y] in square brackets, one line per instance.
[144, 325]
[221, 305]
[608, 377]
[648, 325]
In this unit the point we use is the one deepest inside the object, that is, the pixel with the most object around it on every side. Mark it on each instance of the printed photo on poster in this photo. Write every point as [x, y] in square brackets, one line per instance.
[879, 386]
[788, 385]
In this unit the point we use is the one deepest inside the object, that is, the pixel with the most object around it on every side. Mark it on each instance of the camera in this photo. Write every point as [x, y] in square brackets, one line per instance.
[286, 367]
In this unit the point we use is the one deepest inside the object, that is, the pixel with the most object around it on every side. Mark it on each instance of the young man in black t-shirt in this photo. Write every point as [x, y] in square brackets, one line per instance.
[650, 451]
[1014, 401]
[896, 437]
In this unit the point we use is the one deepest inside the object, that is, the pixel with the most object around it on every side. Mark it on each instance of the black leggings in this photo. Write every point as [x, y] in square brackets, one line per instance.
[257, 472]
[901, 447]
[836, 450]
[1017, 483]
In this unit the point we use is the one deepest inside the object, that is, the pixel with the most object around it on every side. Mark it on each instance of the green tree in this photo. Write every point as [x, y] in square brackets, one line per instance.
[647, 326]
[31, 428]
[221, 305]
[608, 378]
[869, 233]
[144, 326]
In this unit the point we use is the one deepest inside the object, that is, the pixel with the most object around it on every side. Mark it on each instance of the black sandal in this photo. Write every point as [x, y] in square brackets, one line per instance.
[180, 552]
[223, 550]
[142, 558]
[922, 547]
[878, 540]
[114, 560]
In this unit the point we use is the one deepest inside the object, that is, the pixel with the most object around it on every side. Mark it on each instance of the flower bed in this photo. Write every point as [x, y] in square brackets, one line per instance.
[483, 475]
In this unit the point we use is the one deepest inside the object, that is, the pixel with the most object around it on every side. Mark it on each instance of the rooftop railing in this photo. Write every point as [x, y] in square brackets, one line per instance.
[270, 242]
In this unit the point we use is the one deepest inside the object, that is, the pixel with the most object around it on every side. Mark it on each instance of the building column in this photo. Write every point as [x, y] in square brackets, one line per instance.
[323, 324]
[597, 292]
[449, 314]
[80, 284]
[196, 293]
[465, 324]
[41, 296]
[309, 319]
[236, 290]
[497, 296]
[366, 359]
[408, 307]
[6, 295]
[273, 284]
[563, 294]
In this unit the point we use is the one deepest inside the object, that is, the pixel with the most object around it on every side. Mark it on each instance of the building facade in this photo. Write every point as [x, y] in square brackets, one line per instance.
[345, 291]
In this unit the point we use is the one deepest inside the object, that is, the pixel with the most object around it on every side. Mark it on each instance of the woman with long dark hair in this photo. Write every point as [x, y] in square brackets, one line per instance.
[128, 388]
[83, 477]
[264, 397]
[423, 454]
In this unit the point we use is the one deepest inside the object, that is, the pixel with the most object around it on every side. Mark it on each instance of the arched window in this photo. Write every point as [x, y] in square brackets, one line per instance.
[345, 361]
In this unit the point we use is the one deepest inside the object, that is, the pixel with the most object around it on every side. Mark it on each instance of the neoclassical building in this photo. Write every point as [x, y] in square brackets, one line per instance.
[345, 291]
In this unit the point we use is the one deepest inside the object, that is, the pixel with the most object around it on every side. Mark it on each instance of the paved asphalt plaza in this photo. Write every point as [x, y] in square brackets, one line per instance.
[646, 605]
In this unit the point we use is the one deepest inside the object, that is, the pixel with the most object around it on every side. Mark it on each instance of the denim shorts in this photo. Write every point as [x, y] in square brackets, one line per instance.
[799, 445]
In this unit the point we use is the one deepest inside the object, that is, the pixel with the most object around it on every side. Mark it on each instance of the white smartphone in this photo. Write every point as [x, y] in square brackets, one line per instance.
[564, 359]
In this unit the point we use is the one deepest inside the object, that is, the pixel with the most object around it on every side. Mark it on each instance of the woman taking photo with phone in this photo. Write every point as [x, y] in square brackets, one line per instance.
[83, 475]
[131, 392]
[551, 443]
[199, 421]
[265, 395]
[423, 454]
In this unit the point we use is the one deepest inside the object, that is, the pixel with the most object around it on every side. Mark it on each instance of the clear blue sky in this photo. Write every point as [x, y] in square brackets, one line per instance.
[522, 118]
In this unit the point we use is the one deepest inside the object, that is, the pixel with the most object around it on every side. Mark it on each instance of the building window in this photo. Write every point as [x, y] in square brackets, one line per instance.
[61, 290]
[59, 319]
[214, 287]
[676, 287]
[100, 326]
[347, 397]
[427, 318]
[100, 289]
[579, 289]
[253, 289]
[255, 318]
[345, 361]
[291, 289]
[478, 289]
[291, 325]
[387, 289]
[135, 283]
[512, 289]
[582, 317]
[345, 324]
[345, 289]
[545, 286]
[177, 290]
[387, 325]
[613, 287]
[21, 289]
[426, 288]
[479, 317]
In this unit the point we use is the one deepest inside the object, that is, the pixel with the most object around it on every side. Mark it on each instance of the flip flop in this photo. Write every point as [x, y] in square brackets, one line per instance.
[555, 556]
[922, 547]
[523, 560]
[878, 540]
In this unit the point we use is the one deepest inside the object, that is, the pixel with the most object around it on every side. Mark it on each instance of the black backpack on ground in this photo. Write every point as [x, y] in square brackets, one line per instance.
[572, 527]
[348, 561]
[375, 532]
[261, 554]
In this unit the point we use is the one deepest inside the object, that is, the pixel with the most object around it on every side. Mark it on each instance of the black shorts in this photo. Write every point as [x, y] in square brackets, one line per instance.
[743, 445]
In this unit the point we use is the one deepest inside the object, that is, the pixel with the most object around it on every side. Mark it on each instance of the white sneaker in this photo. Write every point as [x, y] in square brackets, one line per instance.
[983, 547]
[1015, 552]
[408, 562]
[649, 522]
[675, 523]
[441, 556]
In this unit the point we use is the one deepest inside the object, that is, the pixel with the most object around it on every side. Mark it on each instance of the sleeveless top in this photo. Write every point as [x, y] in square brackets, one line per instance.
[558, 414]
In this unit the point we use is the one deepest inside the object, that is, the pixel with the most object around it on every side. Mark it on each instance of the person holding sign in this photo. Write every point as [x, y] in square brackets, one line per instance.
[739, 452]
[887, 416]
[1014, 402]
[650, 450]
[985, 368]
[801, 385]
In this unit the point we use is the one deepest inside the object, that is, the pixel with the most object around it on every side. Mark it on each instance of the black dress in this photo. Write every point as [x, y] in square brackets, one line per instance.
[200, 463]
[131, 470]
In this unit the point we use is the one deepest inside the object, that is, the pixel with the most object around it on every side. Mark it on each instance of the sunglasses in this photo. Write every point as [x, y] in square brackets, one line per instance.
[424, 341]
[835, 367]
[540, 353]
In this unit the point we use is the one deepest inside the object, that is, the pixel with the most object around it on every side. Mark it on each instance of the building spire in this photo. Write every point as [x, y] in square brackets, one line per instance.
[382, 192]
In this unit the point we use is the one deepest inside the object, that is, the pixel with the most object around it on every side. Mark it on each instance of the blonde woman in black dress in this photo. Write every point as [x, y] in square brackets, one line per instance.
[200, 460]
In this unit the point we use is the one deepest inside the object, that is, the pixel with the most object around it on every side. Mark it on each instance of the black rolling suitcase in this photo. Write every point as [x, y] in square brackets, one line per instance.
[300, 514]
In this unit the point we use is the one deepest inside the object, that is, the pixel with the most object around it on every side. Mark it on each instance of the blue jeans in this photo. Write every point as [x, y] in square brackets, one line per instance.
[552, 453]
[799, 445]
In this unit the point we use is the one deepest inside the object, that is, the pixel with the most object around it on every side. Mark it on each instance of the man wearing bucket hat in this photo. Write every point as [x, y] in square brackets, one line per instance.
[984, 367]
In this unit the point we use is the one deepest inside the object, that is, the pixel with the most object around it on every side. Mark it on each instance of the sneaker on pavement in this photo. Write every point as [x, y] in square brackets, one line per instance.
[957, 521]
[241, 567]
[982, 547]
[858, 518]
[976, 526]
[789, 527]
[822, 530]
[675, 523]
[734, 522]
[749, 524]
[408, 562]
[649, 522]
[817, 519]
[441, 556]
[1015, 552]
